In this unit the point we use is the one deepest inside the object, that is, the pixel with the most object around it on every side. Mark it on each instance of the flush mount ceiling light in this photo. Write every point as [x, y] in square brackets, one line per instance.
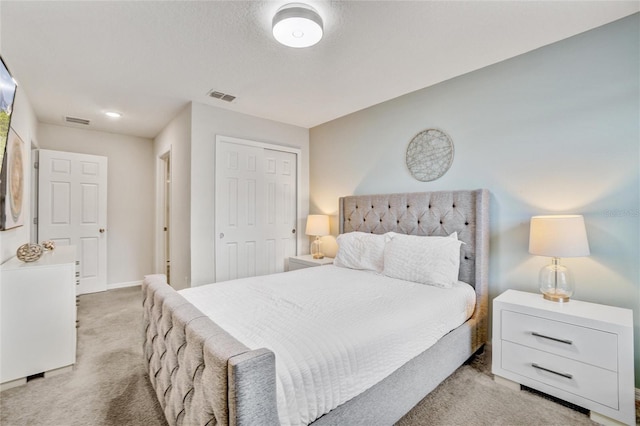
[113, 114]
[297, 25]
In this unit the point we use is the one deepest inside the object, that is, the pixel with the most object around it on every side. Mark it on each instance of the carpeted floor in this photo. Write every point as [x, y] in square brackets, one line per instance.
[109, 387]
[471, 397]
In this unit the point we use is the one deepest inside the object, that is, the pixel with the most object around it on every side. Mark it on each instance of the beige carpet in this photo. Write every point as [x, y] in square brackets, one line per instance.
[471, 397]
[109, 385]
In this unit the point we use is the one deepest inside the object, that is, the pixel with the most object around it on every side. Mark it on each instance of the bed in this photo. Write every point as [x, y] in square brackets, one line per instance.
[203, 375]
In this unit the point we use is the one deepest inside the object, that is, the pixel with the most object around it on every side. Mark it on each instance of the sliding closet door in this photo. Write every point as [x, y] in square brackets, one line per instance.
[279, 219]
[255, 208]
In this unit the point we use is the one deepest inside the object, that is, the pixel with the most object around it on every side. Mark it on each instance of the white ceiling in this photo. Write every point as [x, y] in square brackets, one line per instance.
[149, 59]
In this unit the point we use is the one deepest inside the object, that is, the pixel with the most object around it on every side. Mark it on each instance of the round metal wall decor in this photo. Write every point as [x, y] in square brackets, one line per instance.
[429, 155]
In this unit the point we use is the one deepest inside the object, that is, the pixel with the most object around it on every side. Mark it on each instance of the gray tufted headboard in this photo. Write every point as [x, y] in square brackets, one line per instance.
[437, 213]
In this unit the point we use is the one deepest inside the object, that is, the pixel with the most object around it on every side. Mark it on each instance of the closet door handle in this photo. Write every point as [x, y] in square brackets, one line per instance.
[565, 375]
[555, 339]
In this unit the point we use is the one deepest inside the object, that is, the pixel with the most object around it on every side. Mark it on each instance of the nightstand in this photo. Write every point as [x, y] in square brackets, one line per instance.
[577, 351]
[307, 261]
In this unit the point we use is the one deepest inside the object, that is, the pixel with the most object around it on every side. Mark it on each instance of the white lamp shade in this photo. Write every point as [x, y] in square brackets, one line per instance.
[558, 236]
[297, 25]
[317, 225]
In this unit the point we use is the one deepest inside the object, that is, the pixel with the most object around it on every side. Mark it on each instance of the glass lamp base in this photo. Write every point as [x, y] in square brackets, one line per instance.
[556, 297]
[556, 283]
[316, 251]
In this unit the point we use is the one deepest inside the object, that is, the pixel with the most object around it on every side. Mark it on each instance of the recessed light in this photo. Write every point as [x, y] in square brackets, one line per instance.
[297, 25]
[113, 114]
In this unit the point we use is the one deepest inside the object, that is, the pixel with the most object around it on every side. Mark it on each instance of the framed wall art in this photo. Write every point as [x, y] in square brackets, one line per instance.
[12, 191]
[7, 95]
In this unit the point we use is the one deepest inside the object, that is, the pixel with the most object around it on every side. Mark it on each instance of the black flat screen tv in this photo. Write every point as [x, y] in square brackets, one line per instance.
[7, 96]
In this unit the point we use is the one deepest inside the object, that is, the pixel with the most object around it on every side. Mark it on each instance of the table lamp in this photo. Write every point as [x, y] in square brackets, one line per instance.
[557, 236]
[318, 226]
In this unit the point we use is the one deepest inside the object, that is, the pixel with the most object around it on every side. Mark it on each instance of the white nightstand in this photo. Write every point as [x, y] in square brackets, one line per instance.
[307, 261]
[577, 351]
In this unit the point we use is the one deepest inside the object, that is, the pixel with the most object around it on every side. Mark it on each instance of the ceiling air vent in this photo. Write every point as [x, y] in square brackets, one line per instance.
[76, 120]
[222, 96]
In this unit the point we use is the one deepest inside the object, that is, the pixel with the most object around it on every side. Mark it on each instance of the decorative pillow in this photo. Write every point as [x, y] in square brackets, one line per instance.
[359, 250]
[426, 260]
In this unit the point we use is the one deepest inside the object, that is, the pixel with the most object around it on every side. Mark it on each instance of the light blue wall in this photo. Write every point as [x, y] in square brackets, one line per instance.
[555, 130]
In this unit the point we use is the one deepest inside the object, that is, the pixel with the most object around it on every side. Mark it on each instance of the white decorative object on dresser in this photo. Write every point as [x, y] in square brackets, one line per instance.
[579, 352]
[37, 316]
[307, 261]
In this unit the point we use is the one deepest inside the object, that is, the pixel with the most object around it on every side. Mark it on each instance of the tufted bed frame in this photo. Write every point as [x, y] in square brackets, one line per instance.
[204, 376]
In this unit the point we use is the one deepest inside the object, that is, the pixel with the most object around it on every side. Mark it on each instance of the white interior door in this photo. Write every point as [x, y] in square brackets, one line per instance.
[72, 210]
[256, 209]
[280, 210]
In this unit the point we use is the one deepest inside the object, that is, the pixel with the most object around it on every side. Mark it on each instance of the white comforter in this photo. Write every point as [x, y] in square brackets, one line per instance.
[335, 331]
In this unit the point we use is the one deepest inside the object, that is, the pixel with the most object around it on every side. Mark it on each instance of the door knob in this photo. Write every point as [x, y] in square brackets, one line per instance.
[102, 230]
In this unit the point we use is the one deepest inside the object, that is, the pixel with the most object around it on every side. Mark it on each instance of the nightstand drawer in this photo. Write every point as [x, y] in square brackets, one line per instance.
[307, 261]
[297, 265]
[583, 380]
[583, 344]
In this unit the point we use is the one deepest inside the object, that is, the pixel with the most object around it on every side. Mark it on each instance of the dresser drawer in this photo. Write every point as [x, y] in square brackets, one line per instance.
[583, 380]
[583, 344]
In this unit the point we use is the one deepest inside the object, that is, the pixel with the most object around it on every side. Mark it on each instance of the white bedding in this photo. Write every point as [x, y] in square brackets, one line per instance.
[335, 331]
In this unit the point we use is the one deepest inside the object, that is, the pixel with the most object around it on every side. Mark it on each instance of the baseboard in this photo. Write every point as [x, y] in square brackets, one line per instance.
[122, 285]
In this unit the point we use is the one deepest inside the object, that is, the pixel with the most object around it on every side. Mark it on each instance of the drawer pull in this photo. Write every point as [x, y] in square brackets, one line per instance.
[555, 339]
[565, 375]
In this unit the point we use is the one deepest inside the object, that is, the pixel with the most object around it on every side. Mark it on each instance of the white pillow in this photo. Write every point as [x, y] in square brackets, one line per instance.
[359, 250]
[426, 260]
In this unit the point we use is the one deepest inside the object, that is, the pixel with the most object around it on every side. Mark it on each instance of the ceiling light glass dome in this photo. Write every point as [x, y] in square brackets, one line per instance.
[297, 25]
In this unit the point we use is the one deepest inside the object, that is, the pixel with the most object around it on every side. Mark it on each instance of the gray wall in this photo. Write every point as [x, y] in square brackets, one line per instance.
[130, 195]
[175, 137]
[555, 130]
[207, 122]
[191, 138]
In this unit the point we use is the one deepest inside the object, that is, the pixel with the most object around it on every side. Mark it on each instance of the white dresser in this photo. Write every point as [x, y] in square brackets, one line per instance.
[37, 316]
[577, 351]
